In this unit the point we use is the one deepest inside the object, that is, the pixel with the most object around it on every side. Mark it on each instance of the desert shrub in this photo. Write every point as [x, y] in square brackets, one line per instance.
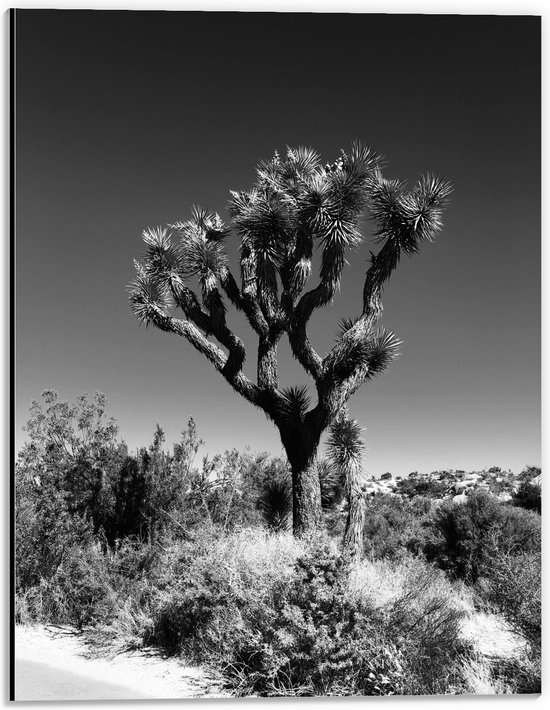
[220, 574]
[520, 531]
[132, 560]
[78, 593]
[283, 617]
[45, 529]
[421, 612]
[230, 487]
[521, 674]
[83, 581]
[428, 487]
[529, 472]
[528, 496]
[305, 641]
[513, 586]
[465, 538]
[393, 526]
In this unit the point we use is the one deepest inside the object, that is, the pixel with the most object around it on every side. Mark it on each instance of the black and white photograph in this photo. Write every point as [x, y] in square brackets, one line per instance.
[276, 354]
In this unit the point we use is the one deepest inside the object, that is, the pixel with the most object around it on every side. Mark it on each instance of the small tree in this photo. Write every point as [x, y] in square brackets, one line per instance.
[346, 449]
[63, 481]
[295, 205]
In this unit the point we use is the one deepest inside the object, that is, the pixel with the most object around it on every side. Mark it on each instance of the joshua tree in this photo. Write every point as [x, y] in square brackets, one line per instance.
[295, 205]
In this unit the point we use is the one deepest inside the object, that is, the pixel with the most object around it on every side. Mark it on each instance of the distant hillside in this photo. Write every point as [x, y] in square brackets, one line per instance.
[456, 485]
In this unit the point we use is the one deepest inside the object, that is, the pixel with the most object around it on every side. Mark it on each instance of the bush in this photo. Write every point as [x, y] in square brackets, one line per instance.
[428, 487]
[421, 612]
[280, 617]
[45, 530]
[465, 538]
[528, 496]
[393, 526]
[78, 593]
[529, 472]
[222, 575]
[513, 587]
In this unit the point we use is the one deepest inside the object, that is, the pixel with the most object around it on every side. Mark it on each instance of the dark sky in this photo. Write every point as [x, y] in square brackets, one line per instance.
[126, 119]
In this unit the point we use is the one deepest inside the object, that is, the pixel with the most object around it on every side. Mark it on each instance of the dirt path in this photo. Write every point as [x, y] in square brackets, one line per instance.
[492, 636]
[53, 663]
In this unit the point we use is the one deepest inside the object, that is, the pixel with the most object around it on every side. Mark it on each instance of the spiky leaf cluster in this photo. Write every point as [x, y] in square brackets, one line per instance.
[331, 480]
[345, 324]
[295, 402]
[200, 245]
[372, 352]
[148, 295]
[407, 218]
[275, 505]
[381, 350]
[173, 256]
[345, 443]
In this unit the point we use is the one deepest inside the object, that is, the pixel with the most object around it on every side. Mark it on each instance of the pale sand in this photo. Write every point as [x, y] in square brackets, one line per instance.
[55, 663]
[492, 636]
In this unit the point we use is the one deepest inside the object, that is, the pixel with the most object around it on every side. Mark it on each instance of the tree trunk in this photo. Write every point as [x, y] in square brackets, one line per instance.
[306, 499]
[301, 449]
[353, 534]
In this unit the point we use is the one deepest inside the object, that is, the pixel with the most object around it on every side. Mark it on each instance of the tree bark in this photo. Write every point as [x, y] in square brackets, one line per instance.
[301, 449]
[353, 533]
[306, 499]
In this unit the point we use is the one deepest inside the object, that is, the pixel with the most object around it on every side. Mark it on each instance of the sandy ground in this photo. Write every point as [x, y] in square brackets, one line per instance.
[54, 663]
[492, 636]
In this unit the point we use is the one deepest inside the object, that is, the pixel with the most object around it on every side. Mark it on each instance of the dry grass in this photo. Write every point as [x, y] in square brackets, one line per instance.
[237, 600]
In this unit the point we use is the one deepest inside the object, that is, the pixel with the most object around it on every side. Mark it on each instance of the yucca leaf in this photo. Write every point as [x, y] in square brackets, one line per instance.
[407, 219]
[201, 257]
[275, 504]
[331, 482]
[311, 205]
[382, 349]
[302, 162]
[209, 224]
[146, 293]
[162, 258]
[269, 173]
[363, 159]
[296, 402]
[373, 353]
[240, 202]
[156, 237]
[344, 324]
[345, 443]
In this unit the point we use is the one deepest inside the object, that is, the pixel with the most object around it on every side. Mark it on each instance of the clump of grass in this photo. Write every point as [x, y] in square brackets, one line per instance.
[480, 679]
[79, 592]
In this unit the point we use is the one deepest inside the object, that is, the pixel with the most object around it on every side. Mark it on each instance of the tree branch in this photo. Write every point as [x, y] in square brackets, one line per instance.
[212, 352]
[268, 378]
[303, 351]
[297, 269]
[214, 322]
[244, 301]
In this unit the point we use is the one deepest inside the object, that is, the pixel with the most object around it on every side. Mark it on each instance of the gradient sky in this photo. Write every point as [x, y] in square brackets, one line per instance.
[126, 119]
